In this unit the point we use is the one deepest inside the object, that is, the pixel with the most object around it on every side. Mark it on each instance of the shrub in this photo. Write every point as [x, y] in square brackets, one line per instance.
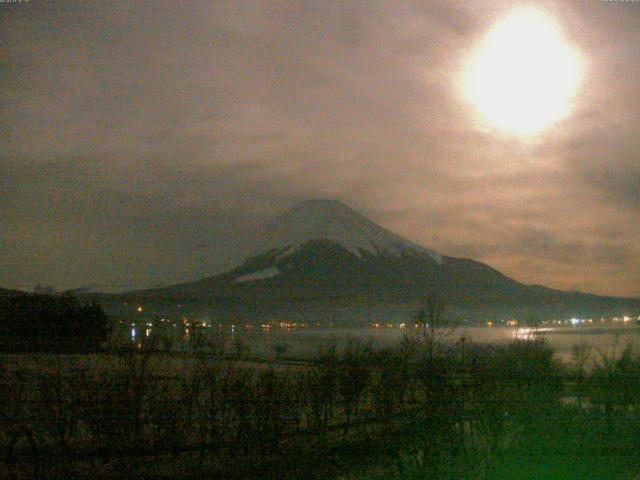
[614, 383]
[113, 402]
[392, 381]
[353, 373]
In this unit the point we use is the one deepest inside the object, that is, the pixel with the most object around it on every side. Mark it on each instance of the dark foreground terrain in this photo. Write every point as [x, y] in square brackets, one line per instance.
[425, 409]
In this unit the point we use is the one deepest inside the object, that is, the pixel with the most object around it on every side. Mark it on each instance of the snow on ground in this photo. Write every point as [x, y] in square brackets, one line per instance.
[260, 275]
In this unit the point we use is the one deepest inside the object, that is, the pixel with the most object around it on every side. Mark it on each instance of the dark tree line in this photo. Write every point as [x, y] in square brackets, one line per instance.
[51, 322]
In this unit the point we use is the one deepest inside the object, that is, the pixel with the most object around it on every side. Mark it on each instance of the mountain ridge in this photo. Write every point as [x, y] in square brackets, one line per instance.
[323, 251]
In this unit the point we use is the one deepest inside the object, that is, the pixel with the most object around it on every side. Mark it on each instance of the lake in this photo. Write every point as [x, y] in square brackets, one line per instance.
[607, 339]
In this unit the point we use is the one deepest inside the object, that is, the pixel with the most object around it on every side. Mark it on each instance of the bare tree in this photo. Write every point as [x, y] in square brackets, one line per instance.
[433, 327]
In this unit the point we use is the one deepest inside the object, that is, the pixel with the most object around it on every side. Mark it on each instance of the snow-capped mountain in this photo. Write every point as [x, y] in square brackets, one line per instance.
[327, 236]
[323, 251]
[333, 221]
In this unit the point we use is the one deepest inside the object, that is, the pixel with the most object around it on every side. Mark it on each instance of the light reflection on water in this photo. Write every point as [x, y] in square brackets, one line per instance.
[308, 341]
[524, 333]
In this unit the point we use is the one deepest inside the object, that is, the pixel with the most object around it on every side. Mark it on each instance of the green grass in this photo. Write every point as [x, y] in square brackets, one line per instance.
[569, 444]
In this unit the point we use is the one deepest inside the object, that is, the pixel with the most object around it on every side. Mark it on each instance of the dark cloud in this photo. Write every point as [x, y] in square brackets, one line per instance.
[612, 164]
[146, 141]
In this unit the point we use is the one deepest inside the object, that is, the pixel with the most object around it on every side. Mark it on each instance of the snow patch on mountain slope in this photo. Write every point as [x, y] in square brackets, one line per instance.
[259, 275]
[334, 221]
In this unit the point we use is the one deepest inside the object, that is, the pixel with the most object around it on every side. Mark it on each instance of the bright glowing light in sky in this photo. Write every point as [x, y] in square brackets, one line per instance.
[523, 75]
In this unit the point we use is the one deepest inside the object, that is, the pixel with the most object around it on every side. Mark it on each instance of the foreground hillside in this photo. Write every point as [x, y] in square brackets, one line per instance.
[351, 412]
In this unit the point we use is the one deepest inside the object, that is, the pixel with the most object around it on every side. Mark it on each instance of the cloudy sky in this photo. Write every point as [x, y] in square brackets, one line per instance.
[142, 143]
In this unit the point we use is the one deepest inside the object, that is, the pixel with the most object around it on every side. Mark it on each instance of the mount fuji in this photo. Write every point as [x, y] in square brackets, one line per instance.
[333, 221]
[322, 251]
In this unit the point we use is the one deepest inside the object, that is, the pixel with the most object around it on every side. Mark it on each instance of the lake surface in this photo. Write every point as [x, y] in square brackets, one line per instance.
[602, 339]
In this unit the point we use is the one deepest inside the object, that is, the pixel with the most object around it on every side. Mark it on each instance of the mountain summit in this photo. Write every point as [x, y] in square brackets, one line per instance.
[333, 221]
